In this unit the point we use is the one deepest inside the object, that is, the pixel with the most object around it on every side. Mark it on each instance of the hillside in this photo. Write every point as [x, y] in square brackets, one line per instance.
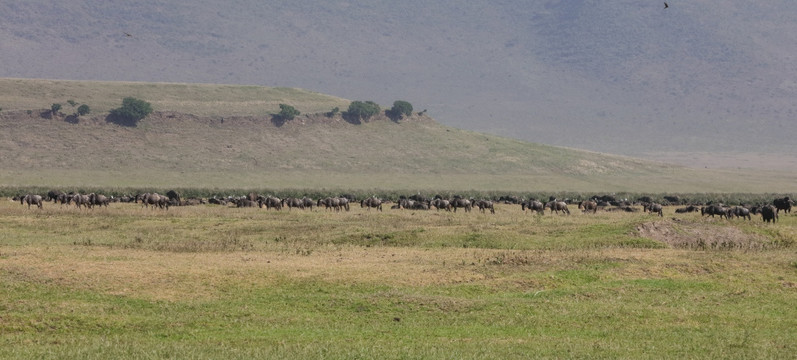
[249, 149]
[616, 76]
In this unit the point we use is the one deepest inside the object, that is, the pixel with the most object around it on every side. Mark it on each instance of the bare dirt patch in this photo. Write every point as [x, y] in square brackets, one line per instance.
[700, 235]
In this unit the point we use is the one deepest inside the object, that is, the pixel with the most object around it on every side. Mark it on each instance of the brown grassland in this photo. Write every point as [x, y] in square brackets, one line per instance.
[215, 281]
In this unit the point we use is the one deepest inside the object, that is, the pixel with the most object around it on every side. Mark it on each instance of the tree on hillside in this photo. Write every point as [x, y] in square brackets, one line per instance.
[71, 103]
[83, 110]
[400, 108]
[361, 111]
[55, 108]
[131, 112]
[287, 112]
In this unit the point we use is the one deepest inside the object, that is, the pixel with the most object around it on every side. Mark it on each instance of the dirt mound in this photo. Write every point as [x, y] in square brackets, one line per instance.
[700, 235]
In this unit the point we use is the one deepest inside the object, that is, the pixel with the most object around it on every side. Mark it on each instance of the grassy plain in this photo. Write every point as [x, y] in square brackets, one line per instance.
[212, 281]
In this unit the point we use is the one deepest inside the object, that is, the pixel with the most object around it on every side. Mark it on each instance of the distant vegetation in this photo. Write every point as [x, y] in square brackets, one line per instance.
[132, 111]
[363, 110]
[400, 108]
[83, 110]
[287, 112]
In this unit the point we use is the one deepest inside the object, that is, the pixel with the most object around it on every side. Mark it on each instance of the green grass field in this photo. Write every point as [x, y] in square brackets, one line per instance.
[218, 282]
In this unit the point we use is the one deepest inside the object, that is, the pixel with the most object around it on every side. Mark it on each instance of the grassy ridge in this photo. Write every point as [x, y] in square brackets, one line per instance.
[197, 99]
[219, 136]
[128, 282]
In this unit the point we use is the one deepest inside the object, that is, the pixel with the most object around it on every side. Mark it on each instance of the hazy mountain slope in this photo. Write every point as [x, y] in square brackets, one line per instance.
[621, 76]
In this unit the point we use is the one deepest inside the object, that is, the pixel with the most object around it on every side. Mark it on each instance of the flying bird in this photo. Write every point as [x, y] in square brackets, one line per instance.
[665, 5]
[128, 34]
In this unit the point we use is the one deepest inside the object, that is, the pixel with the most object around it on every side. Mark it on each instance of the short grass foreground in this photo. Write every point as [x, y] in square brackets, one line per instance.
[217, 282]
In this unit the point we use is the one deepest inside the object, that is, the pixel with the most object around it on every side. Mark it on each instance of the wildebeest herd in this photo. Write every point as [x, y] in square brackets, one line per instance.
[769, 211]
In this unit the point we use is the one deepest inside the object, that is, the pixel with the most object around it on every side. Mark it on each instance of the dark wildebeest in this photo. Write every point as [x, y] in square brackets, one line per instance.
[460, 203]
[653, 208]
[174, 196]
[587, 206]
[31, 199]
[783, 204]
[769, 213]
[714, 210]
[483, 205]
[688, 209]
[741, 212]
[372, 202]
[53, 195]
[558, 206]
[533, 205]
[217, 201]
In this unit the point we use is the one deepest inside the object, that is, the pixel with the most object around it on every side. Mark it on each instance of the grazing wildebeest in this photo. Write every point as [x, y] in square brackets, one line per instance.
[534, 205]
[459, 202]
[31, 199]
[653, 208]
[588, 205]
[558, 206]
[483, 205]
[270, 202]
[372, 202]
[769, 213]
[783, 204]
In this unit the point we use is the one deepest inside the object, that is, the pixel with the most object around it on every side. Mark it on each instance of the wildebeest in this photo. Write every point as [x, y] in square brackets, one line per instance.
[769, 213]
[293, 203]
[31, 199]
[335, 203]
[459, 202]
[741, 212]
[98, 199]
[155, 199]
[53, 195]
[653, 208]
[688, 209]
[715, 209]
[441, 204]
[174, 196]
[534, 205]
[783, 204]
[270, 202]
[558, 206]
[372, 202]
[80, 200]
[588, 205]
[483, 205]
